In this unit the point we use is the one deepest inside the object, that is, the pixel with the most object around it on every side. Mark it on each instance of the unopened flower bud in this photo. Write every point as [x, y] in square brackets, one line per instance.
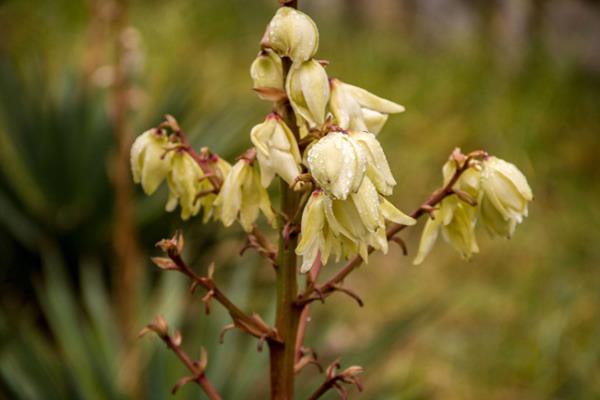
[378, 169]
[267, 75]
[356, 109]
[307, 87]
[242, 197]
[276, 149]
[506, 194]
[150, 163]
[293, 34]
[338, 164]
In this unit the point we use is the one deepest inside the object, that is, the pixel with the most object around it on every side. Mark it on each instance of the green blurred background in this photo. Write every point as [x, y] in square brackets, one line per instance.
[519, 78]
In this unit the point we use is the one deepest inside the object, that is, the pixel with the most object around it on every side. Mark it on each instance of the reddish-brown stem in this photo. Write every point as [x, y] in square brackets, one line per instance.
[335, 380]
[305, 314]
[321, 390]
[241, 319]
[320, 292]
[266, 248]
[201, 378]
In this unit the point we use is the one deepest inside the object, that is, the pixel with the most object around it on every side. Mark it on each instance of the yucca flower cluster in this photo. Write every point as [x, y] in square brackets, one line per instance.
[320, 143]
[337, 124]
[337, 121]
[158, 155]
[346, 213]
[492, 191]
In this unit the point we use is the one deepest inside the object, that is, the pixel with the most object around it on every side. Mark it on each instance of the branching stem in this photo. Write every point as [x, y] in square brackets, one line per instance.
[199, 376]
[249, 324]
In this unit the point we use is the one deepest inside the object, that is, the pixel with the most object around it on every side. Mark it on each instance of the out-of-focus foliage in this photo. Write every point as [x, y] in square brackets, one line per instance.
[519, 321]
[82, 353]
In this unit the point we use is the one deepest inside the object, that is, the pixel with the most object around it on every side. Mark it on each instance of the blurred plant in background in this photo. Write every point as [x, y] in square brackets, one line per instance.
[519, 77]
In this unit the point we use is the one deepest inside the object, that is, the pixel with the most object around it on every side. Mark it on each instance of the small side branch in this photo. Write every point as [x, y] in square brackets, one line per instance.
[320, 292]
[197, 368]
[252, 325]
[334, 380]
[258, 241]
[304, 318]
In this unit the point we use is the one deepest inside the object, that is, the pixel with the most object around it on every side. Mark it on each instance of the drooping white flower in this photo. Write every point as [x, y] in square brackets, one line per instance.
[346, 228]
[506, 195]
[374, 120]
[357, 109]
[277, 150]
[378, 169]
[186, 181]
[314, 232]
[293, 34]
[338, 164]
[361, 219]
[307, 88]
[150, 162]
[319, 237]
[454, 218]
[220, 168]
[242, 197]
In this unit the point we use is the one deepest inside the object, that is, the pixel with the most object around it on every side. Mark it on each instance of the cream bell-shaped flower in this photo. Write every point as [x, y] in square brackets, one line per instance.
[378, 169]
[276, 150]
[267, 75]
[374, 210]
[455, 218]
[506, 194]
[220, 167]
[318, 237]
[314, 232]
[345, 228]
[242, 197]
[374, 120]
[293, 34]
[150, 162]
[362, 218]
[338, 164]
[185, 181]
[356, 109]
[307, 88]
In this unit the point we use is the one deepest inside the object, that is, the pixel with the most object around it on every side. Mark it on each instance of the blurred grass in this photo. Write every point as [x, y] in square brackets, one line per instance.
[518, 321]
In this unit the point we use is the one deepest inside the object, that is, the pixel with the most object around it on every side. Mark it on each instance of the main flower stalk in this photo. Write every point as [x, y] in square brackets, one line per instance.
[282, 355]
